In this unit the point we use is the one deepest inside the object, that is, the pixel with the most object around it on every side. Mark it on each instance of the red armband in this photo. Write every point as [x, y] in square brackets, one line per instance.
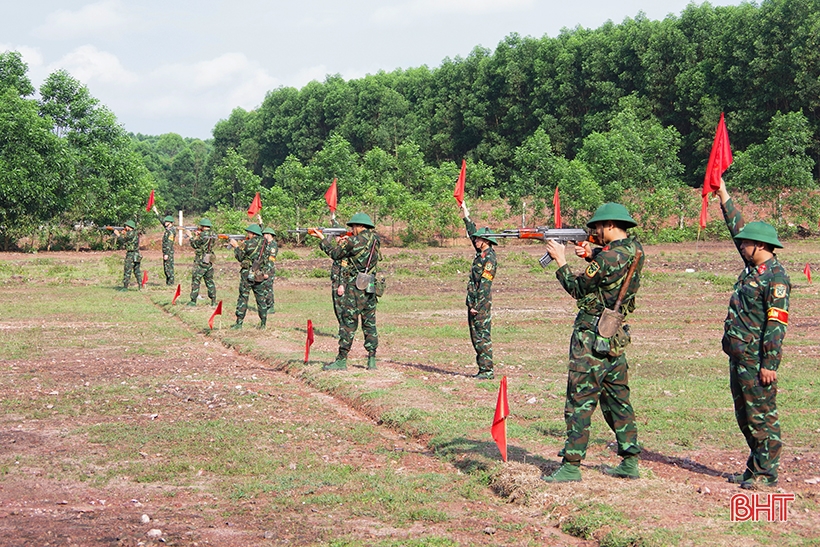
[776, 314]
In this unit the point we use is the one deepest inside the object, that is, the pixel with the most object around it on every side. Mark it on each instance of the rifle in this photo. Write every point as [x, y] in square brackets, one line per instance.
[112, 228]
[542, 233]
[325, 231]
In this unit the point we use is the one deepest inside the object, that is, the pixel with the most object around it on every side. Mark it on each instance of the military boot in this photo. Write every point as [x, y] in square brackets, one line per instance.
[566, 473]
[741, 477]
[339, 364]
[262, 323]
[484, 375]
[627, 469]
[237, 325]
[371, 362]
[213, 302]
[759, 482]
[192, 303]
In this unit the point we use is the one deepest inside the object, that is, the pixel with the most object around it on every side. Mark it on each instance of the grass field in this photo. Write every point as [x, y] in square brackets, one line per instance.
[118, 405]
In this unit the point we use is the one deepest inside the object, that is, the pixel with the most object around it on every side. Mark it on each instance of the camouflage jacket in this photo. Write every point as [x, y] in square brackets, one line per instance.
[249, 251]
[168, 237]
[336, 267]
[269, 253]
[353, 253]
[203, 243]
[130, 240]
[759, 307]
[482, 273]
[597, 288]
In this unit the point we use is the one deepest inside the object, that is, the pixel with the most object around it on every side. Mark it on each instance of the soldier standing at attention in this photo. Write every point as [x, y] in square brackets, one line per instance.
[269, 268]
[360, 252]
[753, 338]
[597, 371]
[479, 295]
[168, 237]
[250, 254]
[130, 239]
[203, 241]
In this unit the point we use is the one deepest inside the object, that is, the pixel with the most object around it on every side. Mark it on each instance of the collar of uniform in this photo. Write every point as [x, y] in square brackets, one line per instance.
[766, 266]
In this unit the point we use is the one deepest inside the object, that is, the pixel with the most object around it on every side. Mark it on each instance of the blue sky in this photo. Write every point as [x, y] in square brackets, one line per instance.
[181, 65]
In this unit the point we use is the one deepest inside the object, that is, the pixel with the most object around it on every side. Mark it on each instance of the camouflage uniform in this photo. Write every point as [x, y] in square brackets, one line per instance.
[203, 243]
[480, 298]
[250, 251]
[595, 376]
[336, 281]
[168, 237]
[353, 254]
[131, 241]
[268, 266]
[753, 336]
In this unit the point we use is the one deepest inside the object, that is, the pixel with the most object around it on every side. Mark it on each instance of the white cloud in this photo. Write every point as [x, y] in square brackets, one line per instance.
[104, 17]
[408, 12]
[88, 64]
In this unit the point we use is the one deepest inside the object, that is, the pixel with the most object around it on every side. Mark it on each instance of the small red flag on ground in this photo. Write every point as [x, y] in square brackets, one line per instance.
[807, 272]
[150, 201]
[502, 410]
[556, 205]
[144, 277]
[332, 196]
[458, 193]
[176, 294]
[309, 341]
[720, 158]
[217, 311]
[255, 206]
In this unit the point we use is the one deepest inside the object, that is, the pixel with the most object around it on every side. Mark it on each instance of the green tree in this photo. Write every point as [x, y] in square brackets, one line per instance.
[234, 184]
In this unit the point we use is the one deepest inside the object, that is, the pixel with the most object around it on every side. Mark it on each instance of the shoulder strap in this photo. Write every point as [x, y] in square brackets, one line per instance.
[255, 265]
[370, 258]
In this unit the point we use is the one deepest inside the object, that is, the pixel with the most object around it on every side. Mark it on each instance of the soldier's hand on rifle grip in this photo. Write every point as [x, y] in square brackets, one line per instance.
[583, 249]
[233, 243]
[557, 251]
[315, 232]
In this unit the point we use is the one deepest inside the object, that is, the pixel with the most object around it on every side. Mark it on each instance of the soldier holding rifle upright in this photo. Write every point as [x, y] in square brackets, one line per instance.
[203, 241]
[597, 364]
[130, 239]
[168, 236]
[251, 254]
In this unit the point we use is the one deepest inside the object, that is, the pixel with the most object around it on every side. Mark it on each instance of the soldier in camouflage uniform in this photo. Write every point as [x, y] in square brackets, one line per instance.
[336, 285]
[594, 375]
[358, 253]
[479, 295]
[168, 235]
[269, 267]
[203, 241]
[130, 239]
[753, 337]
[251, 254]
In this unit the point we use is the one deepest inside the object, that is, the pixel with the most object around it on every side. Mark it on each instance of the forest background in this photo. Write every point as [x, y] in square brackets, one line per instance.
[626, 112]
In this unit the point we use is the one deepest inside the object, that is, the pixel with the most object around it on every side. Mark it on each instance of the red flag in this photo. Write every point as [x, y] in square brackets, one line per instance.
[720, 158]
[144, 277]
[502, 410]
[458, 193]
[150, 202]
[217, 311]
[256, 205]
[309, 341]
[332, 196]
[807, 272]
[556, 205]
[176, 294]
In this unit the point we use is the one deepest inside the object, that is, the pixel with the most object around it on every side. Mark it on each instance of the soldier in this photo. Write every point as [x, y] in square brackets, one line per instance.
[269, 267]
[597, 366]
[479, 295]
[168, 236]
[251, 253]
[753, 337]
[336, 285]
[130, 239]
[203, 241]
[359, 255]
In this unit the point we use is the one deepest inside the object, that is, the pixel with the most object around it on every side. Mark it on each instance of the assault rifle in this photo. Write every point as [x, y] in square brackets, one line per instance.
[325, 231]
[542, 233]
[112, 228]
[236, 237]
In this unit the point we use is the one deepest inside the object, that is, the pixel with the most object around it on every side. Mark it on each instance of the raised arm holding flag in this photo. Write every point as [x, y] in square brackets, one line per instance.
[719, 160]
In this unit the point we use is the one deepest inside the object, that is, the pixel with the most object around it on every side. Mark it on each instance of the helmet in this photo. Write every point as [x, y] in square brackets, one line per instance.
[612, 211]
[254, 229]
[205, 222]
[169, 218]
[760, 231]
[269, 231]
[131, 224]
[362, 219]
[480, 233]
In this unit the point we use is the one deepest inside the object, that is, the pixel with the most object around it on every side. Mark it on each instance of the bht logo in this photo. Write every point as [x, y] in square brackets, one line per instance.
[774, 507]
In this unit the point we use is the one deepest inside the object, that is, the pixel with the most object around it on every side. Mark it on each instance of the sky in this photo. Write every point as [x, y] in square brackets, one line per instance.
[179, 66]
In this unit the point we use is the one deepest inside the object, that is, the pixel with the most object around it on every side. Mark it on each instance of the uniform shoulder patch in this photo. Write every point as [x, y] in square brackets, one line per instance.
[593, 269]
[780, 290]
[488, 266]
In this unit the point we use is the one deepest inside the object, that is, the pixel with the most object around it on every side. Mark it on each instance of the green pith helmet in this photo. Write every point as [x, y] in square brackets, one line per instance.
[206, 223]
[131, 224]
[362, 219]
[760, 231]
[612, 211]
[269, 231]
[254, 229]
[169, 218]
[480, 233]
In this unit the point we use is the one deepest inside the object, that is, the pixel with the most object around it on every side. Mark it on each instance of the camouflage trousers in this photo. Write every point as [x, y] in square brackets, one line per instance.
[594, 377]
[132, 266]
[355, 303]
[263, 292]
[480, 336]
[756, 414]
[203, 272]
[337, 299]
[168, 269]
